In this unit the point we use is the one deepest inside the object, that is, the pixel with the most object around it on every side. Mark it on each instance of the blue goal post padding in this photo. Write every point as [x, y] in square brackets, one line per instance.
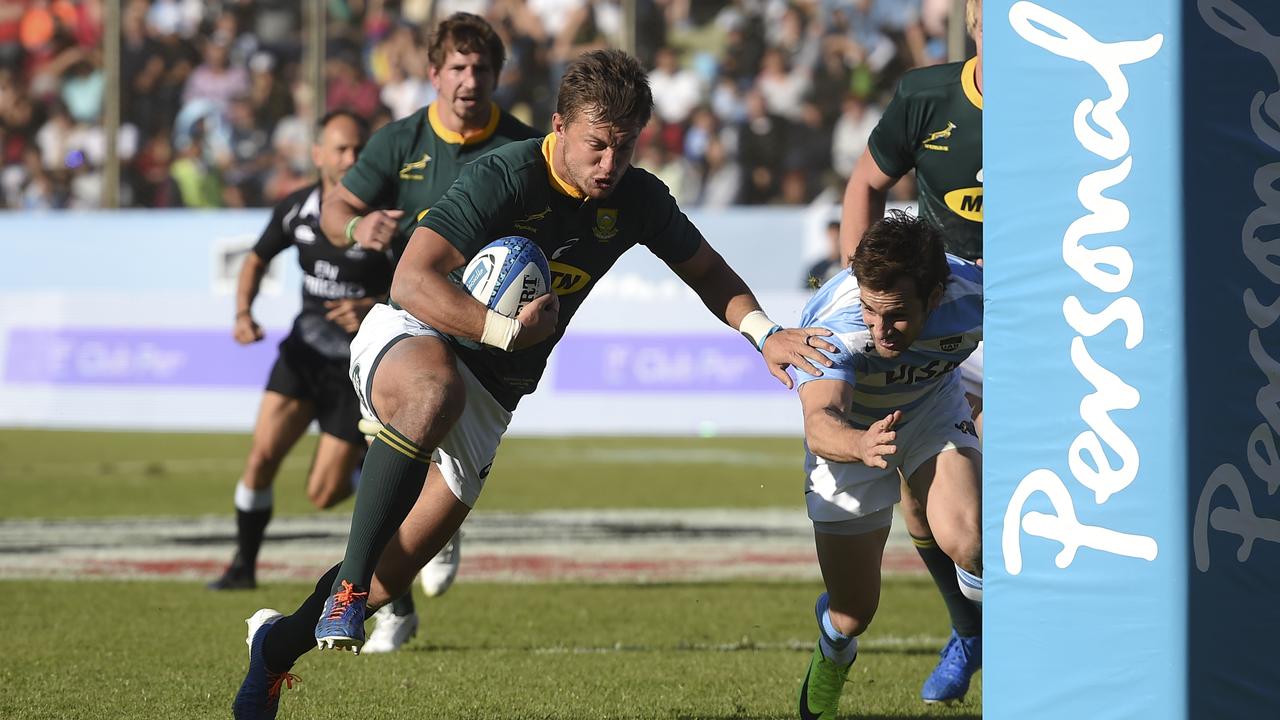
[1131, 515]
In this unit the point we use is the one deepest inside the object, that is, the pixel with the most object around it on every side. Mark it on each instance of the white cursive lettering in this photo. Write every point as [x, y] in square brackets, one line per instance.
[1232, 22]
[1109, 269]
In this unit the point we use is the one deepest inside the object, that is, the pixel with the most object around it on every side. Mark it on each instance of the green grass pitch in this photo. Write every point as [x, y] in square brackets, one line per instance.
[99, 649]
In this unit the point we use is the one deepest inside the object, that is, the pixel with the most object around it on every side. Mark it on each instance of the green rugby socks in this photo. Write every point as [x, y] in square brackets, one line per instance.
[966, 617]
[395, 470]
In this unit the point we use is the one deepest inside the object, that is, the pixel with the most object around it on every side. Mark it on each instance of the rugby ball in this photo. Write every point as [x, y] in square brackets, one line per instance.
[507, 274]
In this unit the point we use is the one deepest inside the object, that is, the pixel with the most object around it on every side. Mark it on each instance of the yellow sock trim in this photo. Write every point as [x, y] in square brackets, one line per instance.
[923, 542]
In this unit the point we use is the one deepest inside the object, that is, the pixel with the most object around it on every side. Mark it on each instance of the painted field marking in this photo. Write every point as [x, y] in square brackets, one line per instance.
[547, 546]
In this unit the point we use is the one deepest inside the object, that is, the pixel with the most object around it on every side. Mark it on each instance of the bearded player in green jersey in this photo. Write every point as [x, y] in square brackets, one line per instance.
[403, 171]
[934, 126]
[408, 164]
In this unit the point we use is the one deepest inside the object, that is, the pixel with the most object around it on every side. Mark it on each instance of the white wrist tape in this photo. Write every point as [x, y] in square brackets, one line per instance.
[499, 331]
[757, 326]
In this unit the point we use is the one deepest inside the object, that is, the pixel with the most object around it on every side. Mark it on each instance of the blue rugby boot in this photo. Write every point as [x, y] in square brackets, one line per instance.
[259, 696]
[341, 625]
[961, 658]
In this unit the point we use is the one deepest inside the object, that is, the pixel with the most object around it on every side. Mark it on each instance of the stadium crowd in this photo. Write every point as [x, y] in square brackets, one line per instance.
[757, 101]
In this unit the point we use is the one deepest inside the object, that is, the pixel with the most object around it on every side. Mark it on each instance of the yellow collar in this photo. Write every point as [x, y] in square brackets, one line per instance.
[456, 138]
[564, 188]
[969, 81]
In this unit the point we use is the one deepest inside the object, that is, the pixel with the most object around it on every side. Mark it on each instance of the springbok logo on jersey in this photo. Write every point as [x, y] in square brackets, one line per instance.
[931, 140]
[567, 279]
[526, 222]
[407, 172]
[606, 223]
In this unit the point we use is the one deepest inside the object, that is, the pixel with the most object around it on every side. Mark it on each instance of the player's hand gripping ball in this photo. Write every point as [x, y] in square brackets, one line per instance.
[508, 274]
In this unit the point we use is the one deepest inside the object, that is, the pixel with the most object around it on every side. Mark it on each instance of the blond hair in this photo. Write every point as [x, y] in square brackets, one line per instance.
[973, 18]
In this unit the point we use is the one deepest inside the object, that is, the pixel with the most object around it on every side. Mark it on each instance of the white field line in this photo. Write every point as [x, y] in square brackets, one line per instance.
[551, 455]
[549, 546]
[866, 642]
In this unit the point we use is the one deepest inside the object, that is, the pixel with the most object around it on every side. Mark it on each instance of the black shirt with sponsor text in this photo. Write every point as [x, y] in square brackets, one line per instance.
[328, 272]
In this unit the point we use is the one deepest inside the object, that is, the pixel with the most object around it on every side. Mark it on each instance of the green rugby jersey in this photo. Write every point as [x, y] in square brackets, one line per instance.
[410, 163]
[514, 191]
[934, 124]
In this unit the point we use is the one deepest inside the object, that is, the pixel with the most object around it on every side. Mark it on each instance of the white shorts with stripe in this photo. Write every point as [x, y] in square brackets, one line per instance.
[836, 492]
[466, 453]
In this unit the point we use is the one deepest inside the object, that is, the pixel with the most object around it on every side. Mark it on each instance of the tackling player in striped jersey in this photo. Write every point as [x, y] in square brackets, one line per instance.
[934, 125]
[891, 405]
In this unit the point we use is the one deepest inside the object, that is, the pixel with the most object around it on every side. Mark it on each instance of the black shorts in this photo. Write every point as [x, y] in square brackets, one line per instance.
[301, 372]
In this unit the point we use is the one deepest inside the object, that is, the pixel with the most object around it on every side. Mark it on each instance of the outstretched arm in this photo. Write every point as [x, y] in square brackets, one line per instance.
[730, 300]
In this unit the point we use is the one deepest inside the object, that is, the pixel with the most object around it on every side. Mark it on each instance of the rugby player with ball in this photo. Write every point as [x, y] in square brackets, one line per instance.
[442, 371]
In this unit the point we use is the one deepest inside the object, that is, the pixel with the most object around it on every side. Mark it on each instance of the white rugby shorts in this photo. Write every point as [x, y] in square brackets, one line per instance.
[466, 453]
[837, 492]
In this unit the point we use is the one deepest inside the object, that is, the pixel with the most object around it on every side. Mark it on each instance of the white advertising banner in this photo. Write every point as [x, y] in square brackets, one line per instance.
[123, 320]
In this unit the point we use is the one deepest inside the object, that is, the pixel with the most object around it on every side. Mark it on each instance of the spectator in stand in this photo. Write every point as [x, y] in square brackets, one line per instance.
[761, 143]
[180, 56]
[832, 79]
[10, 40]
[808, 155]
[292, 136]
[591, 25]
[198, 183]
[676, 90]
[82, 88]
[215, 79]
[795, 36]
[59, 138]
[719, 181]
[703, 127]
[153, 186]
[247, 153]
[782, 88]
[268, 94]
[348, 88]
[727, 101]
[853, 127]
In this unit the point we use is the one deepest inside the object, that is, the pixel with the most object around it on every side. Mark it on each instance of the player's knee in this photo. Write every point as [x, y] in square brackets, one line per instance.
[325, 494]
[965, 550]
[916, 520]
[263, 463]
[852, 616]
[425, 411]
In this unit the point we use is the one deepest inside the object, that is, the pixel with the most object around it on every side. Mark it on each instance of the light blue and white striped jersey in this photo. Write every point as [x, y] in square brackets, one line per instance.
[880, 386]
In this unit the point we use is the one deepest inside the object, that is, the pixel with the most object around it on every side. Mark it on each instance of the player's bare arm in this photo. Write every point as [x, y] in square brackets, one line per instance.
[422, 287]
[246, 330]
[828, 433]
[345, 217]
[729, 298]
[864, 199]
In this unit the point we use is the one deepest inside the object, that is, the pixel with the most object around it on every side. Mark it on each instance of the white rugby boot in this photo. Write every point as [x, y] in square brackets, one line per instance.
[390, 631]
[438, 575]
